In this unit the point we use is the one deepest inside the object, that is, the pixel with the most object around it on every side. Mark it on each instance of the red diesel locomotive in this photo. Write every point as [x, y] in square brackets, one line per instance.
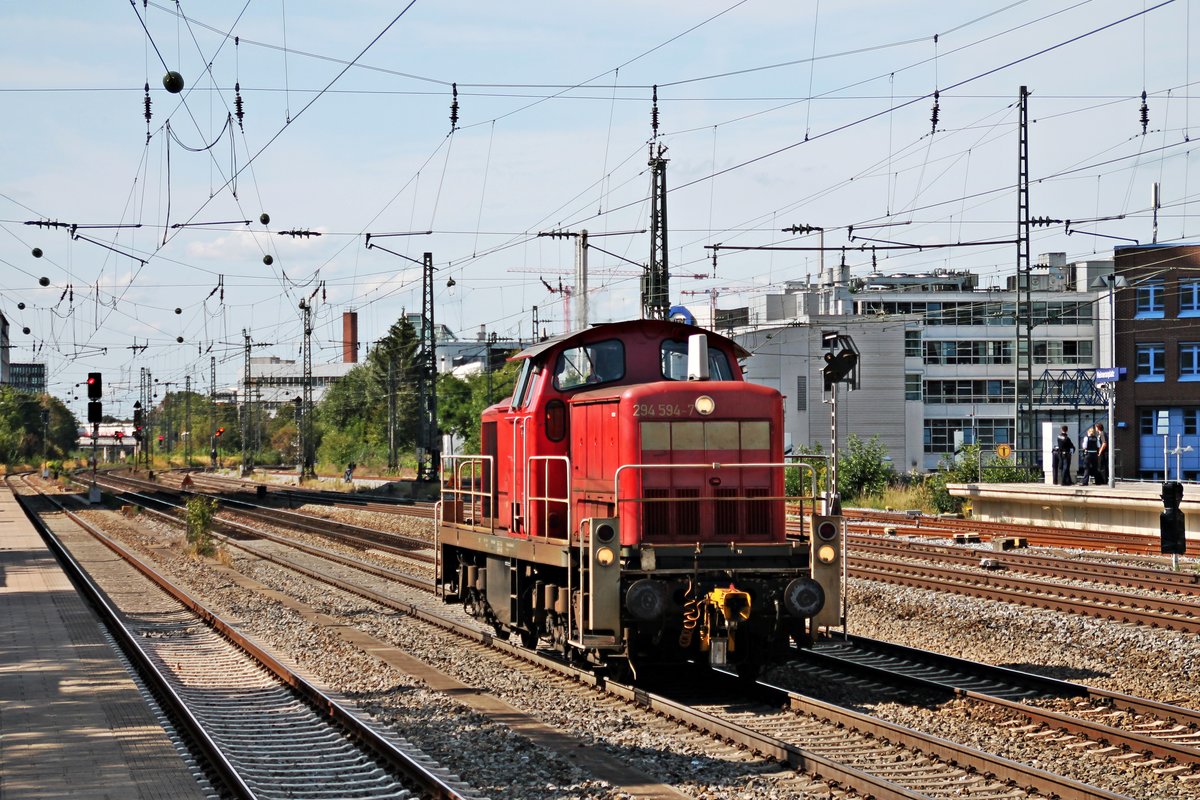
[629, 507]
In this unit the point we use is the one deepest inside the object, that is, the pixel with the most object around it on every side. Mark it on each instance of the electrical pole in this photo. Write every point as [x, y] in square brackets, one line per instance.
[428, 445]
[655, 285]
[148, 406]
[393, 457]
[212, 409]
[307, 469]
[187, 420]
[246, 457]
[1023, 426]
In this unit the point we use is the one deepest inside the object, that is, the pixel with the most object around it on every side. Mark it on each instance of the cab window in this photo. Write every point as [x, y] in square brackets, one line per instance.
[675, 362]
[520, 397]
[590, 364]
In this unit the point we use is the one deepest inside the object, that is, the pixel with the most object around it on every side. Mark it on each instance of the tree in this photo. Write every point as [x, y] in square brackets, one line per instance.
[24, 435]
[353, 415]
[398, 349]
[461, 401]
[863, 469]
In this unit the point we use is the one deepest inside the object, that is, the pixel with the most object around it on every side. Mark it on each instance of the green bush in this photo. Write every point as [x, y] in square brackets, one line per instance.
[966, 468]
[862, 468]
[200, 513]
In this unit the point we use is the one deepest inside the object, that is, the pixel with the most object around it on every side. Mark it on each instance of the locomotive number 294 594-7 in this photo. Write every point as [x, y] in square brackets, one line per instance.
[663, 409]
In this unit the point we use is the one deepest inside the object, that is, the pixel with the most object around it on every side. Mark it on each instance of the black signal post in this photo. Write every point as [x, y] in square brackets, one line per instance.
[1172, 534]
[95, 412]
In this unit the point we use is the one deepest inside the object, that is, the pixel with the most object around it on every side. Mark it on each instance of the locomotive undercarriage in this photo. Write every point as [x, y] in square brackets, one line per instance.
[719, 604]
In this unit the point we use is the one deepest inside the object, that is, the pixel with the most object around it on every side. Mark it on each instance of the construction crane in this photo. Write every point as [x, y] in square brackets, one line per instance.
[567, 292]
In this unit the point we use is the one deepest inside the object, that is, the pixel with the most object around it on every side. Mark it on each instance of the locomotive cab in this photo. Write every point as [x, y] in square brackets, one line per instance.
[628, 506]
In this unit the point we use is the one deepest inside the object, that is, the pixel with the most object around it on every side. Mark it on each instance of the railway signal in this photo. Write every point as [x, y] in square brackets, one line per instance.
[94, 390]
[1172, 536]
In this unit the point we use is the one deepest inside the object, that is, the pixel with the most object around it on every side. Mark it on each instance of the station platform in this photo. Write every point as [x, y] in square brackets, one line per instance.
[72, 721]
[1129, 507]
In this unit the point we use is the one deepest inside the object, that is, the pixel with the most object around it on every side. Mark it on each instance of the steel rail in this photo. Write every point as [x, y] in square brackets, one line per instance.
[929, 525]
[855, 659]
[432, 785]
[1148, 611]
[765, 743]
[1094, 572]
[358, 534]
[237, 528]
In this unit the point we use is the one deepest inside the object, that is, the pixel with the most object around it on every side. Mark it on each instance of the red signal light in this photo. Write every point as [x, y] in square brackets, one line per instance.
[219, 432]
[161, 438]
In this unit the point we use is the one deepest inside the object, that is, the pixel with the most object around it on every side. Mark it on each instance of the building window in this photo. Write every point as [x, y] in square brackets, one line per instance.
[1191, 421]
[969, 391]
[802, 393]
[968, 352]
[1151, 363]
[1066, 351]
[1154, 421]
[912, 344]
[939, 433]
[912, 386]
[1189, 361]
[1189, 299]
[1150, 300]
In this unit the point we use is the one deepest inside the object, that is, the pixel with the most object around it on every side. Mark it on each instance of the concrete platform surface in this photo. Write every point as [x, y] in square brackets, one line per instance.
[72, 721]
[1128, 507]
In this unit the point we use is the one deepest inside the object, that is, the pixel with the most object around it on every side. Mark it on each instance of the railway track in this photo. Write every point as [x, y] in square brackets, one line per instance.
[864, 739]
[204, 481]
[1115, 574]
[907, 524]
[1171, 614]
[413, 548]
[1149, 734]
[265, 731]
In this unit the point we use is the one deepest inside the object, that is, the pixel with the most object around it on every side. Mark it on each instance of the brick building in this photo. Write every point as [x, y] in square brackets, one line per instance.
[1158, 342]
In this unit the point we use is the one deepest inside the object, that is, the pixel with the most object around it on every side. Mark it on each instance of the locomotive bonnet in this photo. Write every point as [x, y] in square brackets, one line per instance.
[628, 508]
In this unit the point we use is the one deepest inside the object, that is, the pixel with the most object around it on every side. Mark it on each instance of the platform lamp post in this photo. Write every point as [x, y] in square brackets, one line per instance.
[1112, 282]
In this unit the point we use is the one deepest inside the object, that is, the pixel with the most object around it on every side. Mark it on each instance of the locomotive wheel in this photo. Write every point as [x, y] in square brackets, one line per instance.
[529, 639]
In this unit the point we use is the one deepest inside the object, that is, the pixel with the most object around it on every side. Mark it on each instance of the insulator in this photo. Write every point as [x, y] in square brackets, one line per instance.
[454, 107]
[237, 103]
[933, 118]
[147, 104]
[1145, 113]
[654, 112]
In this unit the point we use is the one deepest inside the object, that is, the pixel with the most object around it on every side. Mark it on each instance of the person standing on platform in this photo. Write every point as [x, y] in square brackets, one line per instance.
[1102, 454]
[1066, 450]
[1091, 458]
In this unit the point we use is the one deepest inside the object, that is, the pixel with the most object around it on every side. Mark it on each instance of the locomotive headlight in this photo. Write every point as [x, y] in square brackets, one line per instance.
[705, 405]
[827, 554]
[605, 556]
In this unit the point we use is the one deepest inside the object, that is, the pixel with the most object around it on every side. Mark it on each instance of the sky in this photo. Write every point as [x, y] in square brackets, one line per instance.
[772, 115]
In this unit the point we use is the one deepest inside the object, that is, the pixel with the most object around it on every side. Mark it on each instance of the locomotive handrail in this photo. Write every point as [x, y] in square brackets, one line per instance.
[798, 463]
[715, 465]
[547, 500]
[473, 497]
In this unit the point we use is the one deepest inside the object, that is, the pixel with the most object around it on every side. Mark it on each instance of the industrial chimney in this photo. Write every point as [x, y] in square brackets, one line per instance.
[350, 337]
